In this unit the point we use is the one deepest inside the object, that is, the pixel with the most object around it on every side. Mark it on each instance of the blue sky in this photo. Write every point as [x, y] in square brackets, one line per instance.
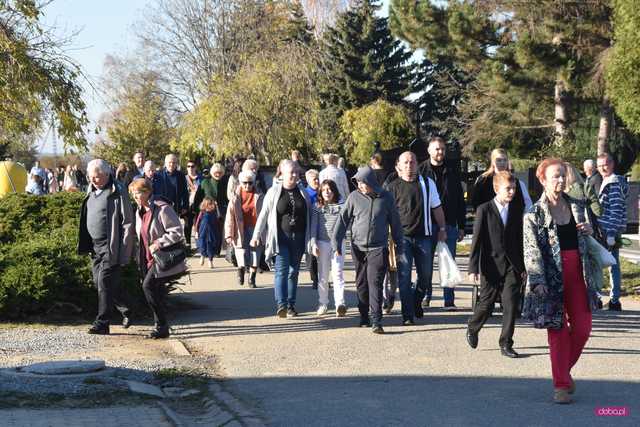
[103, 27]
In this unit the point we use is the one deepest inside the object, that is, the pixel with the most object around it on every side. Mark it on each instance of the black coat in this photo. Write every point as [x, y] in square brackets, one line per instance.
[452, 197]
[483, 192]
[494, 246]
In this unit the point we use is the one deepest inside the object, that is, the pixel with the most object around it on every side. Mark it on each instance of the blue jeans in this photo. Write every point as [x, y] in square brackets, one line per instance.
[452, 240]
[615, 277]
[290, 251]
[419, 249]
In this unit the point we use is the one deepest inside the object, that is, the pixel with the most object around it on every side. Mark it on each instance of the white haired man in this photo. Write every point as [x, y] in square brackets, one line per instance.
[172, 185]
[106, 233]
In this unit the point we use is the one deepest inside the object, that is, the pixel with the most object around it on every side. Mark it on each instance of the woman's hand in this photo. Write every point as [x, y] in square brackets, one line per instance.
[475, 277]
[254, 243]
[584, 228]
[541, 290]
[229, 240]
[154, 247]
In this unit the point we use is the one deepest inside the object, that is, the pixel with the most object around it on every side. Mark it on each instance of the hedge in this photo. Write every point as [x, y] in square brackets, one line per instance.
[39, 266]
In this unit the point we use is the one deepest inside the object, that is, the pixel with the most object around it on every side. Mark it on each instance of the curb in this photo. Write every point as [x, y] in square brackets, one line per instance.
[240, 411]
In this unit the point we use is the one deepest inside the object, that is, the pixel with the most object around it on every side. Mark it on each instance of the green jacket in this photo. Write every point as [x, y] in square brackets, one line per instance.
[216, 189]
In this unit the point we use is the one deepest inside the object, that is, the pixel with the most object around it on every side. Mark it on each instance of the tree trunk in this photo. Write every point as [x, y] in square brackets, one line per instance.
[561, 112]
[604, 129]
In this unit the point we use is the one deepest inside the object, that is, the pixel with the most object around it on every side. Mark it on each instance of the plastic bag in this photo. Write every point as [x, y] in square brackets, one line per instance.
[599, 253]
[450, 275]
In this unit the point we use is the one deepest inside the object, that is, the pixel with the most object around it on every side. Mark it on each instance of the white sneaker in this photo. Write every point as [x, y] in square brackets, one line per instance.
[322, 309]
[201, 260]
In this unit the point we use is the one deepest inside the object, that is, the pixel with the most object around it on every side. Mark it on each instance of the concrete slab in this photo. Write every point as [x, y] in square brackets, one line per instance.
[64, 367]
[144, 388]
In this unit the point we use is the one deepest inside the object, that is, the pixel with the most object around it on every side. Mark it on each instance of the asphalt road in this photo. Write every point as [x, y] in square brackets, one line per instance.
[318, 371]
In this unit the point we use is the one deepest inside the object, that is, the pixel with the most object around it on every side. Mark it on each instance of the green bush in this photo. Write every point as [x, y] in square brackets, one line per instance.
[39, 265]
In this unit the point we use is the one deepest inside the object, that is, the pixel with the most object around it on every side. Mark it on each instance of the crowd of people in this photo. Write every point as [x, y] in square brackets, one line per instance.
[533, 258]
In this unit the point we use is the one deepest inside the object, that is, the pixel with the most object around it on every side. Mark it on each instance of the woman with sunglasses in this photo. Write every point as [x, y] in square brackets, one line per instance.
[242, 214]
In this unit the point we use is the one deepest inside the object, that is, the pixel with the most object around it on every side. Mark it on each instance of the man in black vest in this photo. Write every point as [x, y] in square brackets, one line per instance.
[451, 195]
[497, 258]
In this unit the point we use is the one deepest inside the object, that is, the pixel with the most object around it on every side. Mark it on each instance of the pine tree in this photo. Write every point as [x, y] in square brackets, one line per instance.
[362, 62]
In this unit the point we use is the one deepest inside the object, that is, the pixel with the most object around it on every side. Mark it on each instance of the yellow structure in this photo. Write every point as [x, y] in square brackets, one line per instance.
[13, 178]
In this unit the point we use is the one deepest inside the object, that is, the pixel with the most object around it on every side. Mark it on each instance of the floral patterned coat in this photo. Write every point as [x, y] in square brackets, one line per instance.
[543, 263]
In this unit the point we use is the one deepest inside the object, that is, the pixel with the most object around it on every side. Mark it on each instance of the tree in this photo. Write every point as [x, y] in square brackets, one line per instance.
[267, 109]
[362, 62]
[533, 64]
[379, 121]
[139, 119]
[38, 82]
[622, 79]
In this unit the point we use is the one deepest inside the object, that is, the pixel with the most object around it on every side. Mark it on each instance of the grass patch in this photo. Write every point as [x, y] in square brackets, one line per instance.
[182, 377]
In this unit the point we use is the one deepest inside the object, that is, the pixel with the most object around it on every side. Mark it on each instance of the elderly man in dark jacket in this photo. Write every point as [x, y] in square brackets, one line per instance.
[106, 233]
[172, 185]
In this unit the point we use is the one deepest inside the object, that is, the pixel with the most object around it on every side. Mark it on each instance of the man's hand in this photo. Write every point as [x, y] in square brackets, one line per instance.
[584, 228]
[442, 235]
[475, 277]
[460, 235]
[315, 251]
[254, 243]
[611, 241]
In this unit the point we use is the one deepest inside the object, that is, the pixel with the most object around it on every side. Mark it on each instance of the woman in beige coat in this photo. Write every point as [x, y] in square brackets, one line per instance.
[157, 226]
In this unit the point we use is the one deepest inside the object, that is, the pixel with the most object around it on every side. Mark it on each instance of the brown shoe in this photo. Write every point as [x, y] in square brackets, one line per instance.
[561, 396]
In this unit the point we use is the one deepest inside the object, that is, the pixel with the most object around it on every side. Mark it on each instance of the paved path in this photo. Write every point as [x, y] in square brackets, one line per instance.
[315, 371]
[120, 416]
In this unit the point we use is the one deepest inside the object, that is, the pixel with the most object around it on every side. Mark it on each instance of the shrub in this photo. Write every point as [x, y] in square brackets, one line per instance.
[39, 264]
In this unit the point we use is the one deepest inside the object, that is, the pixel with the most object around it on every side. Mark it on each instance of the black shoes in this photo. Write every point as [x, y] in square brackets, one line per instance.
[98, 330]
[419, 312]
[282, 312]
[159, 333]
[314, 285]
[365, 322]
[252, 279]
[472, 339]
[508, 351]
[291, 312]
[377, 329]
[241, 276]
[614, 306]
[126, 322]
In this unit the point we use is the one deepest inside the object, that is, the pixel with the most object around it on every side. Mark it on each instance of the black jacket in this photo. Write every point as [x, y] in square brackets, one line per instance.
[452, 197]
[160, 188]
[494, 246]
[483, 192]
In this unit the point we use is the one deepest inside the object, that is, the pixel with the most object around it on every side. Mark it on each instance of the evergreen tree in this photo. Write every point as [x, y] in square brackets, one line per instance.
[362, 62]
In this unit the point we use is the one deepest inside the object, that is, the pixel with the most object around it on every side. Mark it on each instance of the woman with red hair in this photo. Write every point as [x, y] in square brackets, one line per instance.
[561, 290]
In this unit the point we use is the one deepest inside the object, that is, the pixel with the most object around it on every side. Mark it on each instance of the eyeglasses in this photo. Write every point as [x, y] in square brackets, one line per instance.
[191, 166]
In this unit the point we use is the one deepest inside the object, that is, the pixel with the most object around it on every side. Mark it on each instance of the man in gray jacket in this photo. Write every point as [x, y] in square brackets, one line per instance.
[370, 211]
[106, 233]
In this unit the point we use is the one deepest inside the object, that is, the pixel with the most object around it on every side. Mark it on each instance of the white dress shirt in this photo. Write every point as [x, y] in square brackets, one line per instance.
[503, 210]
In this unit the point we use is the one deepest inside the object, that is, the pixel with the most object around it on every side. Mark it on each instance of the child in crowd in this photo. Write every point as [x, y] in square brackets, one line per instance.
[327, 211]
[207, 230]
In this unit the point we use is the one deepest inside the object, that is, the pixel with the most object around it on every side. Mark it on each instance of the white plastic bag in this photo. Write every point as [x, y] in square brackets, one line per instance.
[600, 253]
[450, 275]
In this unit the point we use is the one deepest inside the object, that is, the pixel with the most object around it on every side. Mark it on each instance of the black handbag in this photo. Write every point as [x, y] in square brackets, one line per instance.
[168, 257]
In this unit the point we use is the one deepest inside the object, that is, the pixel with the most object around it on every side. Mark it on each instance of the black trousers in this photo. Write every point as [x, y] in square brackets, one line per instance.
[106, 279]
[155, 293]
[371, 267]
[313, 269]
[189, 219]
[509, 287]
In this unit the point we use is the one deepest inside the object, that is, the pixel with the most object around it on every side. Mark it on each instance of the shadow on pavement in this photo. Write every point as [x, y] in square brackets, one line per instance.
[433, 401]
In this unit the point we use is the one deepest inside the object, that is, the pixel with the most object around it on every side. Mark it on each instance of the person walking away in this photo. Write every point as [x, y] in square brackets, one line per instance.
[335, 174]
[369, 212]
[327, 212]
[613, 221]
[497, 260]
[157, 226]
[561, 292]
[239, 226]
[207, 230]
[106, 233]
[287, 220]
